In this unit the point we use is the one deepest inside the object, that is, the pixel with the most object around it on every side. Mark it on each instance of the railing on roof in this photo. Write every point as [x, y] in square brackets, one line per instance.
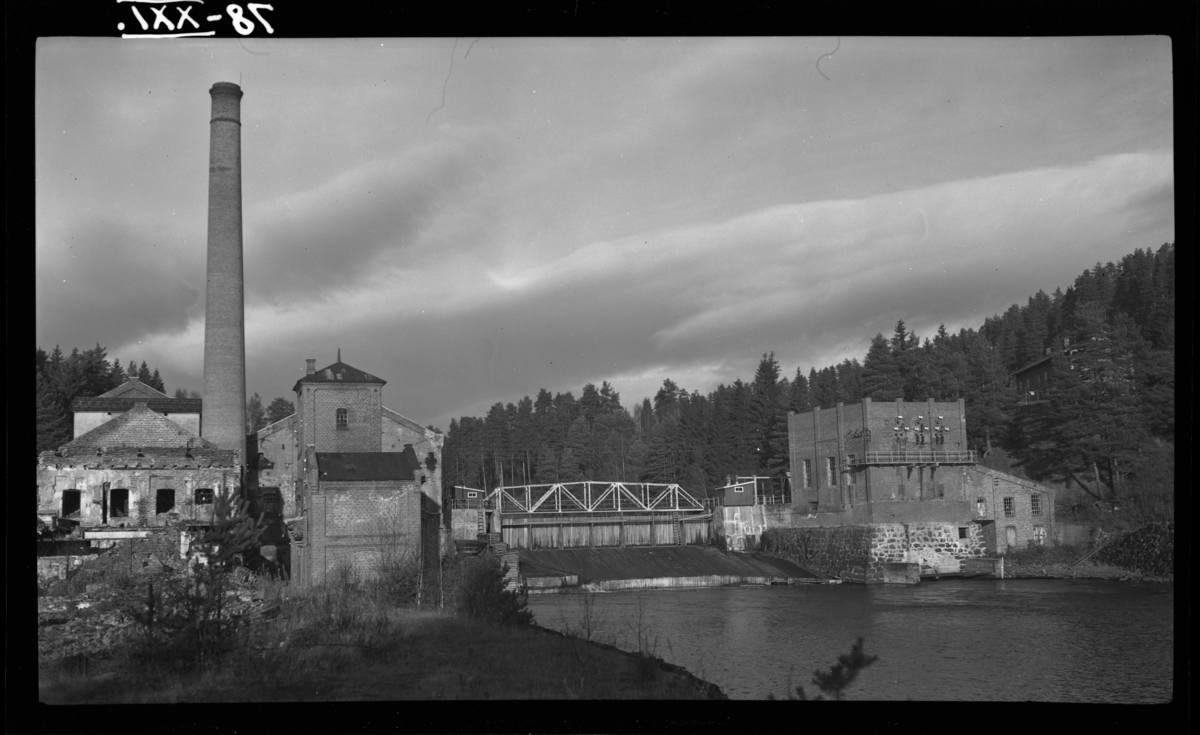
[917, 457]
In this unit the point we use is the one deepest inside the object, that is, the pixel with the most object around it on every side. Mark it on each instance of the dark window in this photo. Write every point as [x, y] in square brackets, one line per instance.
[1035, 504]
[164, 501]
[342, 418]
[812, 507]
[272, 501]
[807, 478]
[1009, 508]
[204, 496]
[118, 502]
[962, 531]
[831, 474]
[70, 503]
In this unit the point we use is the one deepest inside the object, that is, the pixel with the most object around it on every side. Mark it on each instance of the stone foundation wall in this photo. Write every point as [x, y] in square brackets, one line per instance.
[938, 546]
[1150, 550]
[863, 553]
[839, 551]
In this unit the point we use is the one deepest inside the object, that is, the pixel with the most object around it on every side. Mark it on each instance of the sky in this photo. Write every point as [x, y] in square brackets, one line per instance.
[475, 219]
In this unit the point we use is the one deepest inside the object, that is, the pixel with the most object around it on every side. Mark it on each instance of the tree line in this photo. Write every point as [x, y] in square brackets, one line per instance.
[60, 379]
[1107, 423]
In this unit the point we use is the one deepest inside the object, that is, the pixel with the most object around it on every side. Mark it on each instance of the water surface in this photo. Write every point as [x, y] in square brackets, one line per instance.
[1001, 640]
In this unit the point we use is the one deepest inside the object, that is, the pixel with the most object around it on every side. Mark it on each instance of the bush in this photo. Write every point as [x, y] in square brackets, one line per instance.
[476, 590]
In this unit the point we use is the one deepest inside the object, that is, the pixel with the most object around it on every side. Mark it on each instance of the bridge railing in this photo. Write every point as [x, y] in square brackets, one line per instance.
[928, 456]
[595, 496]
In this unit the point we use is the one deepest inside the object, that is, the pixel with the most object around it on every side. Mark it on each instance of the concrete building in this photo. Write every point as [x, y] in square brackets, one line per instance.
[360, 484]
[92, 412]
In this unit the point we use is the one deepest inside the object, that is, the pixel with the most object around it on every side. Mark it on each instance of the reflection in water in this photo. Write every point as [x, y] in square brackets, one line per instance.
[1043, 640]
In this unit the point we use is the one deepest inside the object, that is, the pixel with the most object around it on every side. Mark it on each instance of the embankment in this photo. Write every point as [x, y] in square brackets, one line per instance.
[557, 570]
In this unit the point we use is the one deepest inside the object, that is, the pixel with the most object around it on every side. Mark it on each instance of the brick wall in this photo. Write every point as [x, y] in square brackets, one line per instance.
[93, 482]
[319, 404]
[819, 436]
[278, 445]
[397, 430]
[358, 523]
[992, 487]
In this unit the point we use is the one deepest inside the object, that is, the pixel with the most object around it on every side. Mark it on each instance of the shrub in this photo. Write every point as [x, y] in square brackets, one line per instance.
[476, 587]
[840, 676]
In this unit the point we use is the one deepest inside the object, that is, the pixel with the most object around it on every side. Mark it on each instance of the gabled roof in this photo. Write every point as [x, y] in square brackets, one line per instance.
[139, 427]
[344, 466]
[131, 388]
[339, 372]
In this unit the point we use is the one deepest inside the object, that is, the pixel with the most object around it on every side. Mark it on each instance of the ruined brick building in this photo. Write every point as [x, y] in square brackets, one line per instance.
[341, 480]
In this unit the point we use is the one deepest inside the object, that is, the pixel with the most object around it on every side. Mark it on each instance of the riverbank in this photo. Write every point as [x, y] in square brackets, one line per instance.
[330, 645]
[1086, 570]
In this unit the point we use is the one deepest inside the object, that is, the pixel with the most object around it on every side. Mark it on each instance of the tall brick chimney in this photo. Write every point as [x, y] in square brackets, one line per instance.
[223, 419]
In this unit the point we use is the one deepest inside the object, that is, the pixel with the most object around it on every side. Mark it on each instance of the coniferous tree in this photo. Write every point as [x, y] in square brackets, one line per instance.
[880, 376]
[279, 408]
[800, 400]
[53, 423]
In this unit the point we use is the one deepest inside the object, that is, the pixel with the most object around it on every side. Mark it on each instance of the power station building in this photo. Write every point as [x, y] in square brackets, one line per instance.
[899, 462]
[351, 480]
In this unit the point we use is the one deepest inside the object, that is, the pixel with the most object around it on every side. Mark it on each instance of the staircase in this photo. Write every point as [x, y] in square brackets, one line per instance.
[482, 521]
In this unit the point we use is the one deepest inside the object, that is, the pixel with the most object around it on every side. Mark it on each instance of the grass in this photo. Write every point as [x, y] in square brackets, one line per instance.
[345, 641]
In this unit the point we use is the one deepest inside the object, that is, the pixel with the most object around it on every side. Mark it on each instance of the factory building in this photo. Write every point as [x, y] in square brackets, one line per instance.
[340, 480]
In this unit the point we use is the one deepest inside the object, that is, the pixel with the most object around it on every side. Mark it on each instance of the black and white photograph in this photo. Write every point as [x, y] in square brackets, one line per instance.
[581, 367]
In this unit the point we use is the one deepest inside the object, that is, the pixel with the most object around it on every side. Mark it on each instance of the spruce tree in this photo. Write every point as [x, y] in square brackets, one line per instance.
[53, 422]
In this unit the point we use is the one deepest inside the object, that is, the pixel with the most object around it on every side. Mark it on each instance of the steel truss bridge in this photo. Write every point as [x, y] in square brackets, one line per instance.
[598, 497]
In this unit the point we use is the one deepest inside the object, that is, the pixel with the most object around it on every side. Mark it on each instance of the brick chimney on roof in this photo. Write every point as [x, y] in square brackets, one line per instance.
[310, 367]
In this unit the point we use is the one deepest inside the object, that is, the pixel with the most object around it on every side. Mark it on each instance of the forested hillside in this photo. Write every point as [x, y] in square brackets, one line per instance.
[1107, 427]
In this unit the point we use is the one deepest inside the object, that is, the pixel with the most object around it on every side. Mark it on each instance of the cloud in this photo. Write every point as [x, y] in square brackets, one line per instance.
[388, 213]
[92, 274]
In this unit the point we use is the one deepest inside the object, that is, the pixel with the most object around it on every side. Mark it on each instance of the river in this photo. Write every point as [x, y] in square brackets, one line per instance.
[996, 640]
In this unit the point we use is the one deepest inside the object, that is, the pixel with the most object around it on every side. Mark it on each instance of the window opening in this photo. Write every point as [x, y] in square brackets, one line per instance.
[272, 501]
[118, 502]
[1035, 504]
[1009, 509]
[812, 506]
[1039, 535]
[1010, 535]
[831, 471]
[981, 506]
[852, 474]
[204, 496]
[164, 501]
[806, 474]
[962, 532]
[342, 418]
[70, 503]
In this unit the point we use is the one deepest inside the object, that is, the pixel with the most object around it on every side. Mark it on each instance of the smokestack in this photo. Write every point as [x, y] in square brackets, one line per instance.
[223, 420]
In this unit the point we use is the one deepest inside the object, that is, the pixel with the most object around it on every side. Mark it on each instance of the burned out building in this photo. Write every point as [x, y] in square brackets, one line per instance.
[138, 470]
[331, 473]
